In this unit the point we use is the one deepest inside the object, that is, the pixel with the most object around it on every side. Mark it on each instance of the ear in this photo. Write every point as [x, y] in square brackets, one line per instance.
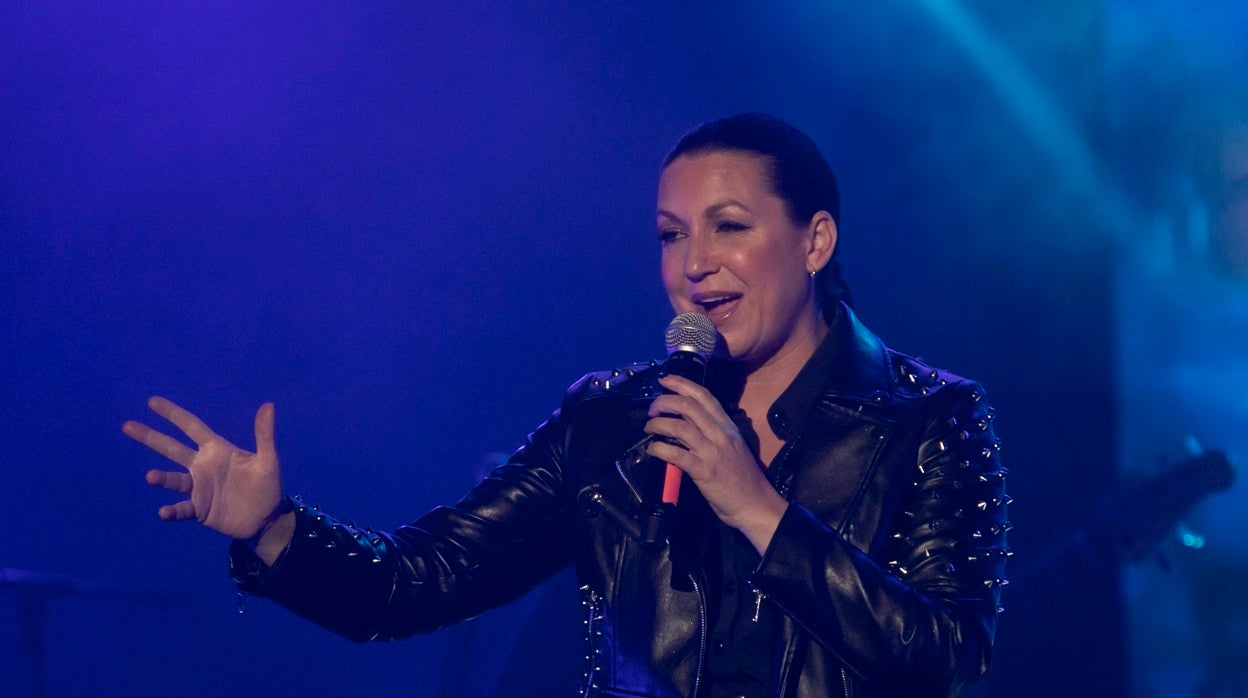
[820, 241]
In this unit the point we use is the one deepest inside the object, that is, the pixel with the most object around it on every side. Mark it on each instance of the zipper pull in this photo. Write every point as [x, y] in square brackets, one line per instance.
[758, 605]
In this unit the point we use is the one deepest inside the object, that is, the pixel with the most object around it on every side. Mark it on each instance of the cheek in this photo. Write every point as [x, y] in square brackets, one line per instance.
[673, 278]
[776, 273]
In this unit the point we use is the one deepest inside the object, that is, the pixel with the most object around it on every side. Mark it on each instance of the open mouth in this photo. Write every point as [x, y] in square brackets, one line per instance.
[717, 306]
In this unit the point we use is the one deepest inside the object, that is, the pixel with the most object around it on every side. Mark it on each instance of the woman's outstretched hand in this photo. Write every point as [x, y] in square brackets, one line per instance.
[229, 490]
[716, 457]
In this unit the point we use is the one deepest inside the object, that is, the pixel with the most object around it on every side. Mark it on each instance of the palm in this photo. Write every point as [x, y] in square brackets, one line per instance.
[229, 490]
[233, 491]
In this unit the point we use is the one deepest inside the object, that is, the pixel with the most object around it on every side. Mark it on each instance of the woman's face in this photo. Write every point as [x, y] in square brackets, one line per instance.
[731, 252]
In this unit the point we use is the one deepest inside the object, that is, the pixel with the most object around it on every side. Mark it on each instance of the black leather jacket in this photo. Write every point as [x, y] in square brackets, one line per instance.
[886, 567]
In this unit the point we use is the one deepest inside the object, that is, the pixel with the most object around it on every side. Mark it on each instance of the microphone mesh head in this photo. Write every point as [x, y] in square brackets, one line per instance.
[692, 332]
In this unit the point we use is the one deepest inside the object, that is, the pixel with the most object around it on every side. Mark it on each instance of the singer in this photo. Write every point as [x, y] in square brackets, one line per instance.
[841, 522]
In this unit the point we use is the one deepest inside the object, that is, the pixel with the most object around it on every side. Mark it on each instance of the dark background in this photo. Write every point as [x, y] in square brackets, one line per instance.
[411, 225]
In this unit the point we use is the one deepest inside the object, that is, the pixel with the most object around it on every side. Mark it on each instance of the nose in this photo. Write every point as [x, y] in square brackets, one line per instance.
[700, 258]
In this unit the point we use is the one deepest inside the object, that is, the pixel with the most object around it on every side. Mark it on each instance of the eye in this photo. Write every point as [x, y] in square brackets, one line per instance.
[729, 226]
[670, 235]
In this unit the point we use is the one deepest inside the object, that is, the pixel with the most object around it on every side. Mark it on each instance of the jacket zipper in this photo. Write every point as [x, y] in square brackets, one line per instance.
[619, 468]
[697, 676]
[697, 587]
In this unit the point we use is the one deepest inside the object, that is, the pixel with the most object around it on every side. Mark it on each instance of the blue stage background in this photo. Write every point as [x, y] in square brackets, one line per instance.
[411, 225]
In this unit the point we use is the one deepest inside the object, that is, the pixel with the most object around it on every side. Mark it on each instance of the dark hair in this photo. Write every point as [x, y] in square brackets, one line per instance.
[798, 172]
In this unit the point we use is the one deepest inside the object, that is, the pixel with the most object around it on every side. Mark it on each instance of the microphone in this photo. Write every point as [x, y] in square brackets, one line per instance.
[690, 339]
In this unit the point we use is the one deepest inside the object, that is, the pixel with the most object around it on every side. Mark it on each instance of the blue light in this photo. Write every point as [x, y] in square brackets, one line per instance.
[1190, 538]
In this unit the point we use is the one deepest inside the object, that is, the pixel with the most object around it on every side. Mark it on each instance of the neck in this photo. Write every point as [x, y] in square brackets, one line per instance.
[765, 383]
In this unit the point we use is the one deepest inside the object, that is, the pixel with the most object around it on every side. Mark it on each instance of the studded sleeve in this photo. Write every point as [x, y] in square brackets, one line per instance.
[916, 614]
[508, 534]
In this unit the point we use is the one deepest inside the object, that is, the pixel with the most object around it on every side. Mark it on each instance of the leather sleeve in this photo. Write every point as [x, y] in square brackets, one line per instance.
[922, 610]
[506, 535]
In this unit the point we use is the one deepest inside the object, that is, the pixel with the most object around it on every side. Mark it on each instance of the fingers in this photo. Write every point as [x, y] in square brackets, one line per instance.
[675, 430]
[669, 453]
[177, 482]
[187, 422]
[689, 409]
[177, 512]
[684, 386]
[264, 431]
[165, 445]
[692, 417]
[686, 392]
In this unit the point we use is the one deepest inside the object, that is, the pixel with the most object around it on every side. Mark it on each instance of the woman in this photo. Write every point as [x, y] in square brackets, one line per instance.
[841, 530]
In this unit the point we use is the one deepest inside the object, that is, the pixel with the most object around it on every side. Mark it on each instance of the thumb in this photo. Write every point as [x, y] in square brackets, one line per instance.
[264, 431]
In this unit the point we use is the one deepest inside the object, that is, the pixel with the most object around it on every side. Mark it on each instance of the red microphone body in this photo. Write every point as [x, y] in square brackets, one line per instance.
[690, 339]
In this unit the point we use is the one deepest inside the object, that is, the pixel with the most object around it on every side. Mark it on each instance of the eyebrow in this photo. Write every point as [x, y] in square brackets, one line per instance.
[710, 210]
[716, 208]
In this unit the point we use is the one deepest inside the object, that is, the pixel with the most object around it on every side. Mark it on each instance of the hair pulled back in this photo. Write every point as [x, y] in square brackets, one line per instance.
[797, 172]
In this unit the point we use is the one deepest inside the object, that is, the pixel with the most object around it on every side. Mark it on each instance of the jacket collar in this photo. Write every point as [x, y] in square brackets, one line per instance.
[862, 370]
[850, 363]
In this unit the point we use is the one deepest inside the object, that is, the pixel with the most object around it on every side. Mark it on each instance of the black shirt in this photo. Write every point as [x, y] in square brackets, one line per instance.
[744, 625]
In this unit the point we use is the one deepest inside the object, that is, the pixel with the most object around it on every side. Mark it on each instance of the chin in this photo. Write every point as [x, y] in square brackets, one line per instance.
[731, 350]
